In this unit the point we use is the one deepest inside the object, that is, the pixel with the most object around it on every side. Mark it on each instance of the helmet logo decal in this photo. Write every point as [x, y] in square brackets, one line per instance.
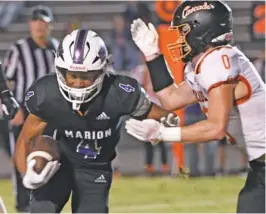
[102, 53]
[78, 54]
[78, 67]
[189, 10]
[60, 50]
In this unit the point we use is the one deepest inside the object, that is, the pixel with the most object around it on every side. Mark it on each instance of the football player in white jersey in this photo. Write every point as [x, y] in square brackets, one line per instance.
[218, 76]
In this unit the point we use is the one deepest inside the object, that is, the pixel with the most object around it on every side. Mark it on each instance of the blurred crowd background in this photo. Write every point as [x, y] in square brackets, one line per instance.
[111, 20]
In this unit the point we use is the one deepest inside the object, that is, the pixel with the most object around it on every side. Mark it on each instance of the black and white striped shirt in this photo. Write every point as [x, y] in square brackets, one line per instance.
[26, 61]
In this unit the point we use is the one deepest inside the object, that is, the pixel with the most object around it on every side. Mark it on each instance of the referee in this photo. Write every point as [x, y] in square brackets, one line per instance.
[27, 60]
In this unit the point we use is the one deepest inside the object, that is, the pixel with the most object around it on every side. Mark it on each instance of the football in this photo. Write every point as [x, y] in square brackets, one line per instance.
[43, 149]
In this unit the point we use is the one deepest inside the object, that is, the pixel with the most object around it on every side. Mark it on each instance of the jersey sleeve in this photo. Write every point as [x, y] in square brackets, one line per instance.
[218, 67]
[134, 100]
[34, 99]
[143, 105]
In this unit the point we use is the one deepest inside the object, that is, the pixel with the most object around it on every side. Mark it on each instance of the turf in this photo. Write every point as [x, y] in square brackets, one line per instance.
[162, 195]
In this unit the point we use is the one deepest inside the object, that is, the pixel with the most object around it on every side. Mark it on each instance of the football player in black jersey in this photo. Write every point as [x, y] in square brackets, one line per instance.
[84, 103]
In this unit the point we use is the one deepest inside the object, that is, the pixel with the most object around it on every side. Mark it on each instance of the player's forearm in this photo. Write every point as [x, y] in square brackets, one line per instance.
[172, 97]
[20, 157]
[202, 131]
[164, 97]
[21, 150]
[176, 97]
[159, 73]
[32, 127]
[170, 100]
[157, 113]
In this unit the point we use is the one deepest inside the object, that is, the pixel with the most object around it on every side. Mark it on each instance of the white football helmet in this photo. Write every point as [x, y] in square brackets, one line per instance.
[81, 51]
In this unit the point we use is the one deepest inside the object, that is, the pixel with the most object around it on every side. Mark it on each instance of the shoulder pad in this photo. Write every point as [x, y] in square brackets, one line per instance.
[218, 55]
[126, 84]
[36, 94]
[217, 66]
[128, 91]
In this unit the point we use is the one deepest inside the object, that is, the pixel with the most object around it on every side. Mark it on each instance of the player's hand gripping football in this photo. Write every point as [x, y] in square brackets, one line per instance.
[33, 180]
[146, 38]
[149, 129]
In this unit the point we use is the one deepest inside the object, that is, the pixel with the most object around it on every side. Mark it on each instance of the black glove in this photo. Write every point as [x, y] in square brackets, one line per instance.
[9, 105]
[171, 120]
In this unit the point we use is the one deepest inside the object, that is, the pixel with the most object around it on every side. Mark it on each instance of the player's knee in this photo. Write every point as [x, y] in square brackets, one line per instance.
[43, 207]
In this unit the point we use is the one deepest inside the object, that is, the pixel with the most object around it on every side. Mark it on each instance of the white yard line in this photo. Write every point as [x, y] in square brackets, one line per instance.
[2, 206]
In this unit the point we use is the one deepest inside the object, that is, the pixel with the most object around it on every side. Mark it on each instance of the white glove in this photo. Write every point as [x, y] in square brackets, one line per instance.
[33, 180]
[153, 131]
[171, 120]
[146, 38]
[145, 130]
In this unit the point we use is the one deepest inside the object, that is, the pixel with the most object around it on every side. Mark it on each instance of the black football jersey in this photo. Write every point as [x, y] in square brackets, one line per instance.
[93, 136]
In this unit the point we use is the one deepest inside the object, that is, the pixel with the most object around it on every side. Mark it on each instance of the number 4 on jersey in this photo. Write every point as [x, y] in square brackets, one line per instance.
[128, 88]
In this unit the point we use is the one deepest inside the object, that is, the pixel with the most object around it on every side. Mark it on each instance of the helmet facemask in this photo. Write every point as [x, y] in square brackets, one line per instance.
[180, 49]
[77, 96]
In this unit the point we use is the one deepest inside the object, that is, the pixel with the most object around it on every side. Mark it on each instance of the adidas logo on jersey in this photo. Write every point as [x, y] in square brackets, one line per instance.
[100, 179]
[102, 116]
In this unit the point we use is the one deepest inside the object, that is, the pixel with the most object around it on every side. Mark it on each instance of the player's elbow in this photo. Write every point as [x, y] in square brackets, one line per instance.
[167, 106]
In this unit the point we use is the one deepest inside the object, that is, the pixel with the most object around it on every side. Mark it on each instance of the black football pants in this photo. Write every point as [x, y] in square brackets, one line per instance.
[89, 187]
[251, 198]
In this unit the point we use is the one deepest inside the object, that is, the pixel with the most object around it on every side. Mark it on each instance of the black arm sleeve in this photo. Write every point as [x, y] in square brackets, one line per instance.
[160, 75]
[143, 106]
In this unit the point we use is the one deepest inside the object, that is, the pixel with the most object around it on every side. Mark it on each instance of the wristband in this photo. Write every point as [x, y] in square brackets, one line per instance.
[160, 76]
[171, 134]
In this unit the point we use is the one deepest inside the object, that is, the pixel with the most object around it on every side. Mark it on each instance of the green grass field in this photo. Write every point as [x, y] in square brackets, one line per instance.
[161, 195]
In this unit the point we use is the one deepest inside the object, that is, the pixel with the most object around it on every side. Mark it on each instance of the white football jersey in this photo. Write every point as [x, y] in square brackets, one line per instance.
[247, 121]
